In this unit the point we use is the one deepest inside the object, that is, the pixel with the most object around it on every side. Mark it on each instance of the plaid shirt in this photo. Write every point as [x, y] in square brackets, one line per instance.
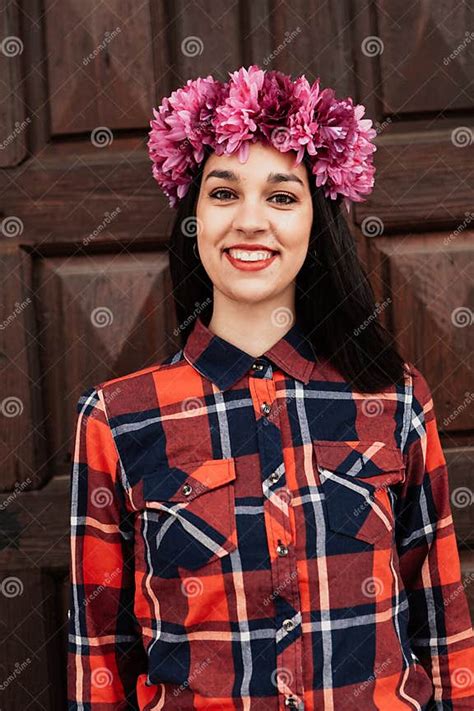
[250, 533]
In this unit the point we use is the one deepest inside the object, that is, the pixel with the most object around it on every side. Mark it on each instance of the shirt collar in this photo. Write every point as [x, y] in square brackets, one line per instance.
[224, 364]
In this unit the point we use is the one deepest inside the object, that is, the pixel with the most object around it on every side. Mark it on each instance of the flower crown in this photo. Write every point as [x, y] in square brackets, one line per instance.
[269, 106]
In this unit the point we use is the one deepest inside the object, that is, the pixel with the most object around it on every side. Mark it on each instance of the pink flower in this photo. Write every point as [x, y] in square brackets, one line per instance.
[269, 106]
[181, 128]
[235, 120]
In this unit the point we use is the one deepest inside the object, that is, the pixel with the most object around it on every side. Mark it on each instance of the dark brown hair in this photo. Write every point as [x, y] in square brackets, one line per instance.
[334, 300]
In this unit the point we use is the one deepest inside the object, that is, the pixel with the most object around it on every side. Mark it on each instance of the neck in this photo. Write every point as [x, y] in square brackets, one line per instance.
[252, 327]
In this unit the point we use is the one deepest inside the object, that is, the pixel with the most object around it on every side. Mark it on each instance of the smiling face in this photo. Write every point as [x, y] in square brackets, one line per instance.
[263, 209]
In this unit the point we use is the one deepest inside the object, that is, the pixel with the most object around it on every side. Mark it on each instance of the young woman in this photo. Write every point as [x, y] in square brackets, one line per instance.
[262, 520]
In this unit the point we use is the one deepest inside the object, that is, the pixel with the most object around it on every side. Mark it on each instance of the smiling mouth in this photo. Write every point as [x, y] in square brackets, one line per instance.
[267, 252]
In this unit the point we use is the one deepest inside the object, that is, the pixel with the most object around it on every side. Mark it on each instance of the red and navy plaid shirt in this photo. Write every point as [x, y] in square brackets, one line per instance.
[250, 533]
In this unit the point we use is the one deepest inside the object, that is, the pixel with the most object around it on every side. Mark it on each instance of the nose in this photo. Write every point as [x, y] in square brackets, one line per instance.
[250, 217]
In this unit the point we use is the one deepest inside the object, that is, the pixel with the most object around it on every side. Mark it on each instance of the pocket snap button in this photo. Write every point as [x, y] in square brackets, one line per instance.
[288, 625]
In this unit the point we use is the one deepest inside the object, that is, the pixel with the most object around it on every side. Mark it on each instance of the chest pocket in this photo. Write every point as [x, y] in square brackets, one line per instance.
[355, 478]
[190, 514]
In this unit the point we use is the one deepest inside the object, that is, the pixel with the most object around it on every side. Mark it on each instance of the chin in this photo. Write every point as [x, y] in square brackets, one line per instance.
[250, 295]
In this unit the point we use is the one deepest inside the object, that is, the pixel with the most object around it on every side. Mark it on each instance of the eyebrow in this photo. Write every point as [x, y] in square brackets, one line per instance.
[272, 177]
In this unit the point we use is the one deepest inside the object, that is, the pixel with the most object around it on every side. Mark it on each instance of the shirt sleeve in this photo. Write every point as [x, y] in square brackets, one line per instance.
[440, 627]
[105, 650]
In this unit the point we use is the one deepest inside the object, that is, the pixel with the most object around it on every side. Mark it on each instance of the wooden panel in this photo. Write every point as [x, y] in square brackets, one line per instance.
[434, 70]
[205, 38]
[35, 528]
[429, 280]
[80, 194]
[22, 445]
[13, 119]
[467, 573]
[35, 79]
[424, 179]
[418, 185]
[460, 463]
[99, 318]
[306, 38]
[100, 66]
[31, 646]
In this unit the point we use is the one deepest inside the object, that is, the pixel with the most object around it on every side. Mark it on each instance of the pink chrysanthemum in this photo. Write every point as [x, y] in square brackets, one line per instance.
[181, 128]
[343, 162]
[269, 106]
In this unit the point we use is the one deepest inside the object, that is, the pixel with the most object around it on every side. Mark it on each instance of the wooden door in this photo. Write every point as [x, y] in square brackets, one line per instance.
[86, 293]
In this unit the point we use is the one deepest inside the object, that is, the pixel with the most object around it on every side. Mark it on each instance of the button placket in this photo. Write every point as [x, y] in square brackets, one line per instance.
[277, 519]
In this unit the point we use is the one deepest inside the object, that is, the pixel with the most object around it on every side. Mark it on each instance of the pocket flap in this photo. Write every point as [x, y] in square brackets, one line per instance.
[186, 481]
[354, 478]
[372, 461]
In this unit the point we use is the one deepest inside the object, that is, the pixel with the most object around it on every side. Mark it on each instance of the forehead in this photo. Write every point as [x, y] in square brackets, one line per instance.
[262, 161]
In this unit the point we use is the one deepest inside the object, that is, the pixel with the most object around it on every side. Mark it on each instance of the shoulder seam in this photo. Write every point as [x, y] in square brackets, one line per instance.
[143, 371]
[121, 469]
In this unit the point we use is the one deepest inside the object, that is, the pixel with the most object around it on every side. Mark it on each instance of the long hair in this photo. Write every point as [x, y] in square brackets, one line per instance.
[334, 300]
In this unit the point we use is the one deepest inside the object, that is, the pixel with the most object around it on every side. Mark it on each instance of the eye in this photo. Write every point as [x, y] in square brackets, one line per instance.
[284, 195]
[288, 198]
[221, 190]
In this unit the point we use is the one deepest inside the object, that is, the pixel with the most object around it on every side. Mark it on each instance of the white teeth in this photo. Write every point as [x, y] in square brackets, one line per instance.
[251, 256]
